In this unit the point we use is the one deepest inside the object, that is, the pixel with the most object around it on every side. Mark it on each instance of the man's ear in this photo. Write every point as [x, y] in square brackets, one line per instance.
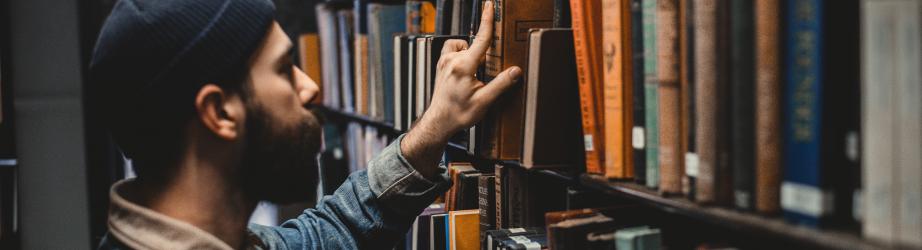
[219, 111]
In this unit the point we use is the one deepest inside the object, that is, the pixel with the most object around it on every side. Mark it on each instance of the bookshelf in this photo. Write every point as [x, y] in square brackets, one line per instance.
[766, 227]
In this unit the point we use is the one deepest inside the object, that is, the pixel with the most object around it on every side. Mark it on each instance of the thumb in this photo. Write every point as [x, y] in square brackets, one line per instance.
[503, 81]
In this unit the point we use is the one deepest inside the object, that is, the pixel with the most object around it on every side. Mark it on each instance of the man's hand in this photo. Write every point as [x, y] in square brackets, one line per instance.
[459, 100]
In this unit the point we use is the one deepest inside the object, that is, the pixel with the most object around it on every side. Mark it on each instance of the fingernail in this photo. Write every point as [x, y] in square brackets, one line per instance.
[515, 71]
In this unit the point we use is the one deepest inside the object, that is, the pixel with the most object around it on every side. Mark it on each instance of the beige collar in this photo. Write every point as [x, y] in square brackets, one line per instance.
[141, 228]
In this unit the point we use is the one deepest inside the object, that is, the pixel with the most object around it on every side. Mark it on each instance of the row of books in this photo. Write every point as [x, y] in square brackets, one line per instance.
[583, 229]
[804, 107]
[771, 106]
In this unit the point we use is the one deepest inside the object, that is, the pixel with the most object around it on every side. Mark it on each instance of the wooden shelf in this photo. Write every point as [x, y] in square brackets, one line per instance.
[770, 227]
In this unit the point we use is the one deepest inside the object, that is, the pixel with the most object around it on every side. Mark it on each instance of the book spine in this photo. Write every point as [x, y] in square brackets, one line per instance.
[498, 178]
[414, 20]
[742, 103]
[627, 90]
[651, 96]
[802, 196]
[671, 164]
[589, 94]
[723, 173]
[309, 45]
[562, 14]
[687, 85]
[909, 57]
[706, 99]
[613, 89]
[486, 201]
[638, 156]
[768, 106]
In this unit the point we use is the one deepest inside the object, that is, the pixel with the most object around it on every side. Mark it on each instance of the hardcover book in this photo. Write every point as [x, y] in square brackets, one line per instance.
[552, 130]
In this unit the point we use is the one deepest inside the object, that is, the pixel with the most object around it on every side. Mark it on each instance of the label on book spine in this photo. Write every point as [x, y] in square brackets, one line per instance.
[637, 138]
[587, 142]
[691, 164]
[805, 199]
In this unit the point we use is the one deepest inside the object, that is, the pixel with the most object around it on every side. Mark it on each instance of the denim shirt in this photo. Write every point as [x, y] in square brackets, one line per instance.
[373, 209]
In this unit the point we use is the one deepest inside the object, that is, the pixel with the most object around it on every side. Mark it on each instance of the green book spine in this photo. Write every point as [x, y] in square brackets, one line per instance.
[651, 96]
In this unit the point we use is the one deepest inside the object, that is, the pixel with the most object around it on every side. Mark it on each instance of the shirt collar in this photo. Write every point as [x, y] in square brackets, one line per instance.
[139, 227]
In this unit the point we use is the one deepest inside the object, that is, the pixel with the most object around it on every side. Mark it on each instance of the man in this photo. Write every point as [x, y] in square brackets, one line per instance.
[203, 96]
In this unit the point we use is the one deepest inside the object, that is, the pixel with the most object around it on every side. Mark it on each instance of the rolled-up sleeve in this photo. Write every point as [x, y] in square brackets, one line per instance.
[373, 209]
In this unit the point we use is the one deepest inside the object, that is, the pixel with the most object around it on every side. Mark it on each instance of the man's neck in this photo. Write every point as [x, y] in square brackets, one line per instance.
[202, 194]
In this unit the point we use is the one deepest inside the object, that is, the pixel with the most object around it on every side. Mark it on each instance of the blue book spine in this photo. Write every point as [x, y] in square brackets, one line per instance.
[389, 21]
[447, 232]
[804, 199]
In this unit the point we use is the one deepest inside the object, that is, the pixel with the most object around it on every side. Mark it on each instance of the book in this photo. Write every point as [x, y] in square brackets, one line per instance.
[327, 30]
[768, 106]
[420, 17]
[467, 195]
[555, 217]
[310, 61]
[562, 14]
[362, 87]
[891, 50]
[513, 19]
[491, 237]
[587, 33]
[552, 128]
[443, 15]
[420, 230]
[651, 94]
[641, 237]
[346, 59]
[687, 96]
[571, 234]
[422, 75]
[670, 157]
[615, 89]
[500, 172]
[486, 202]
[523, 242]
[742, 103]
[401, 81]
[638, 130]
[706, 100]
[464, 229]
[821, 67]
[438, 231]
[384, 22]
[455, 170]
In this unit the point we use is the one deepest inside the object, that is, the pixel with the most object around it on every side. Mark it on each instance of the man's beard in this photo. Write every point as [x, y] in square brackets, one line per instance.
[280, 164]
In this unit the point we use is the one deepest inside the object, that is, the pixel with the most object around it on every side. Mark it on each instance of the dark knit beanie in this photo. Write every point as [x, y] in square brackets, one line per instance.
[152, 56]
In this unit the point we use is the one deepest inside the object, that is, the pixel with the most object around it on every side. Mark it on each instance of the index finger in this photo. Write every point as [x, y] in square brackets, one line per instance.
[485, 32]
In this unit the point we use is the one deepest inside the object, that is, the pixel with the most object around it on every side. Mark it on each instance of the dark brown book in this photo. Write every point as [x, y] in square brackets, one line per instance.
[455, 170]
[571, 233]
[670, 155]
[553, 132]
[513, 19]
[558, 216]
[768, 106]
[687, 82]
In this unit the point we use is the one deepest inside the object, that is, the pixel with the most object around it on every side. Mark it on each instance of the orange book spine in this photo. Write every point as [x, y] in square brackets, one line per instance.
[585, 42]
[671, 164]
[309, 44]
[628, 86]
[613, 92]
